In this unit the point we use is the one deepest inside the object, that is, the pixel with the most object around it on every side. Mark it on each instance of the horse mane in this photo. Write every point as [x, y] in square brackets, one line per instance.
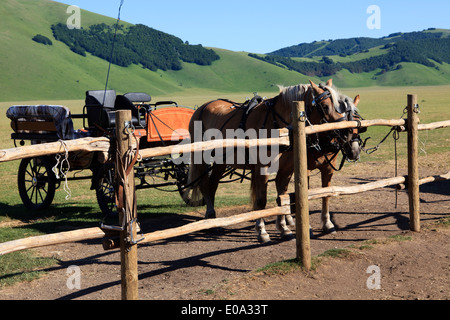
[338, 98]
[298, 92]
[293, 93]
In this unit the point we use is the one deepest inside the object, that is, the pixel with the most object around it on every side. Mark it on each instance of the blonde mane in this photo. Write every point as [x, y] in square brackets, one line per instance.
[338, 98]
[297, 93]
[293, 93]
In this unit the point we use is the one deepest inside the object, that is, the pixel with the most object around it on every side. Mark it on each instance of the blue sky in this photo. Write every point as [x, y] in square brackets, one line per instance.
[266, 25]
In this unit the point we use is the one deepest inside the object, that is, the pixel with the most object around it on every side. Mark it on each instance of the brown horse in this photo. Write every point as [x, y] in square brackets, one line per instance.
[322, 104]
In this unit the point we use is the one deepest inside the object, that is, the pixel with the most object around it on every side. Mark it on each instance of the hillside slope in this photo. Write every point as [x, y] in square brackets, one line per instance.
[34, 71]
[356, 45]
[397, 59]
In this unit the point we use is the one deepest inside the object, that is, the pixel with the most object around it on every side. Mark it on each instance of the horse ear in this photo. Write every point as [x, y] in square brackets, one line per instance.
[357, 100]
[330, 83]
[313, 85]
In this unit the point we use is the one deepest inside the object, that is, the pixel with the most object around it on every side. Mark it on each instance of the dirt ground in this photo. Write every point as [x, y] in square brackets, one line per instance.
[222, 264]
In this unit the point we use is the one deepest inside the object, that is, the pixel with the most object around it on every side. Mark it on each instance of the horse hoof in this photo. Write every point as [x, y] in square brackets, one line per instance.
[330, 231]
[264, 238]
[209, 216]
[290, 221]
[288, 237]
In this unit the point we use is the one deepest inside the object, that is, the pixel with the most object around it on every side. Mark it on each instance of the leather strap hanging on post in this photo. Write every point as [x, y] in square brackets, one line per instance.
[122, 203]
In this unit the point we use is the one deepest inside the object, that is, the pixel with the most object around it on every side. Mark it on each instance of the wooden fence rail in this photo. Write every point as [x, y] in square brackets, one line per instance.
[102, 144]
[45, 149]
[98, 233]
[337, 191]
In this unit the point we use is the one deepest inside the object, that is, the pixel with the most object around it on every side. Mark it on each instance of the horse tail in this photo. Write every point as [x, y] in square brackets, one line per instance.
[253, 189]
[193, 195]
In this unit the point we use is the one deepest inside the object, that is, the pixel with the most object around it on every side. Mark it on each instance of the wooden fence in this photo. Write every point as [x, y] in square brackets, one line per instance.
[301, 197]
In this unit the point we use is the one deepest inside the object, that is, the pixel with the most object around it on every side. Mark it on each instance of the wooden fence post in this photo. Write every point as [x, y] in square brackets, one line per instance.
[301, 185]
[126, 194]
[413, 163]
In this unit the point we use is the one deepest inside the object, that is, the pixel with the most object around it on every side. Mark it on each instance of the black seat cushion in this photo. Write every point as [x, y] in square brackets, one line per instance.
[100, 108]
[123, 103]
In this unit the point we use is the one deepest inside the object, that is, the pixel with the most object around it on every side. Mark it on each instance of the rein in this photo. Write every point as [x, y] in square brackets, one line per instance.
[333, 146]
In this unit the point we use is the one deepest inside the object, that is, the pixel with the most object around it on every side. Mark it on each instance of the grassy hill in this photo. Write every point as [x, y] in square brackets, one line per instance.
[33, 71]
[350, 46]
[397, 59]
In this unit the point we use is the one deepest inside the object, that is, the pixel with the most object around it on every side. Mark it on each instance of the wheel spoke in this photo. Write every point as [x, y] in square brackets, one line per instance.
[29, 174]
[40, 195]
[30, 188]
[32, 193]
[36, 195]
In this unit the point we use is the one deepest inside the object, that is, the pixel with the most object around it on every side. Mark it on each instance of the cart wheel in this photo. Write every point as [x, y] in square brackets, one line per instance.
[37, 183]
[182, 172]
[106, 196]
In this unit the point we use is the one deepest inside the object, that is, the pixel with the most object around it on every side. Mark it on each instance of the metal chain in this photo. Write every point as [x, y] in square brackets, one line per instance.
[396, 136]
[377, 147]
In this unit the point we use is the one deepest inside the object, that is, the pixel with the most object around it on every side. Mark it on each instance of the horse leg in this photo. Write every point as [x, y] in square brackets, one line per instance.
[259, 200]
[282, 180]
[260, 228]
[282, 226]
[289, 221]
[327, 225]
[208, 187]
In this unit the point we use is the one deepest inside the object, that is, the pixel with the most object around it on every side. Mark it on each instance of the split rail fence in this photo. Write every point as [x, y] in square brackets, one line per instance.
[301, 196]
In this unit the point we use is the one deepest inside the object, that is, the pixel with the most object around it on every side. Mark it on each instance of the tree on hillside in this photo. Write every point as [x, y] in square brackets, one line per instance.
[39, 38]
[137, 44]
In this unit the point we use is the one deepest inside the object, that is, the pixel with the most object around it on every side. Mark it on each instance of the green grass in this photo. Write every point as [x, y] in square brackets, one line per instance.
[336, 253]
[389, 103]
[282, 267]
[22, 266]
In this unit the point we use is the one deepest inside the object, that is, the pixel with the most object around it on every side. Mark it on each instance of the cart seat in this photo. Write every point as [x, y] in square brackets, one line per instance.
[47, 122]
[127, 102]
[100, 108]
[138, 97]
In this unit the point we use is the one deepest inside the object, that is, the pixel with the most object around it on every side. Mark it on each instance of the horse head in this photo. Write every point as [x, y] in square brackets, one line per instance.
[326, 105]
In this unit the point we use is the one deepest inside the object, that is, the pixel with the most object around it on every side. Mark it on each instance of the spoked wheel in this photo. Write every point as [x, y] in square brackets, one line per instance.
[37, 183]
[105, 190]
[182, 174]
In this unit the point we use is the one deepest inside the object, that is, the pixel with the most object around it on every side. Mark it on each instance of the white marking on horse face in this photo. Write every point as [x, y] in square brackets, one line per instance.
[355, 150]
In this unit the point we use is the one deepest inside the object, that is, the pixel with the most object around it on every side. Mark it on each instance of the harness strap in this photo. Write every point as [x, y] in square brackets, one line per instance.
[248, 108]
